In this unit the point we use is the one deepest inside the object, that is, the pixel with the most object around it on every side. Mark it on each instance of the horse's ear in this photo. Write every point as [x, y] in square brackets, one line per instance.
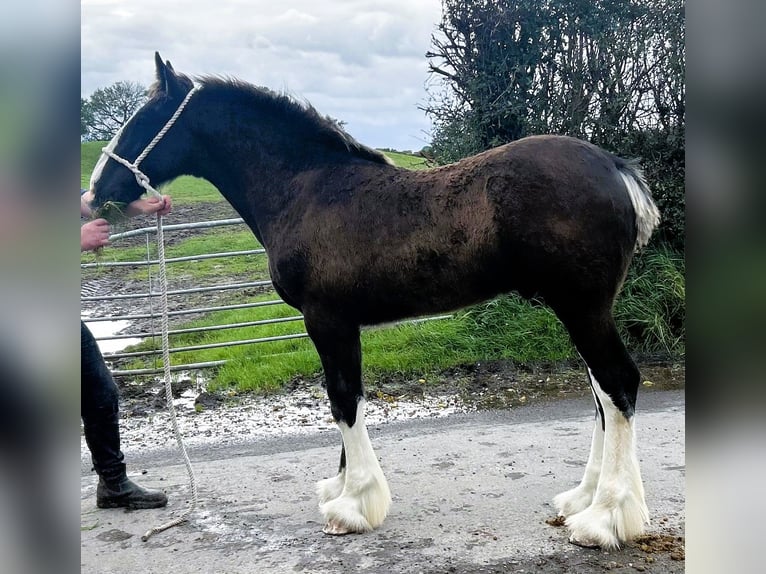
[160, 66]
[167, 79]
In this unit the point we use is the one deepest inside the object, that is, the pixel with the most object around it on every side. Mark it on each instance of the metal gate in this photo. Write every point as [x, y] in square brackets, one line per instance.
[152, 294]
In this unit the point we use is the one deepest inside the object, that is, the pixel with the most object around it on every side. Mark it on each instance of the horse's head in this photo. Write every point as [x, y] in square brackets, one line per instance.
[113, 181]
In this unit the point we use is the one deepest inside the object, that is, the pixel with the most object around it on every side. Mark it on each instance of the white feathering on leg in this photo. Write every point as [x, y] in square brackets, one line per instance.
[365, 498]
[331, 488]
[579, 498]
[618, 511]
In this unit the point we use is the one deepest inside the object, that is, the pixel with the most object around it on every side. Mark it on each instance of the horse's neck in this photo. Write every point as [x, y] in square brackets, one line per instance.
[260, 168]
[258, 190]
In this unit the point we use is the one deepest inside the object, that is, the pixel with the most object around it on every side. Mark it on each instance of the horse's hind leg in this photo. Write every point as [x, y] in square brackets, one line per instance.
[608, 506]
[357, 498]
[579, 498]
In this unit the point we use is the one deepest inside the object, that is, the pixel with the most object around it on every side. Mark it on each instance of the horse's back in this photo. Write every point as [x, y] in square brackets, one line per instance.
[529, 216]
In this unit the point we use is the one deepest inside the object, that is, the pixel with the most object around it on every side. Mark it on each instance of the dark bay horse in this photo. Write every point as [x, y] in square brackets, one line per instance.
[353, 240]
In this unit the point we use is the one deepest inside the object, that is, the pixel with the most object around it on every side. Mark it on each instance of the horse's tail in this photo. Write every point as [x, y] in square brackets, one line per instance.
[647, 214]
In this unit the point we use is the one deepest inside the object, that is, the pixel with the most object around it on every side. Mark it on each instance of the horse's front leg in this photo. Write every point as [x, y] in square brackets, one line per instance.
[357, 498]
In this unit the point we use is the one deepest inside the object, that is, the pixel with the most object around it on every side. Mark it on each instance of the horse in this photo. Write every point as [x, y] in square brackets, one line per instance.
[353, 240]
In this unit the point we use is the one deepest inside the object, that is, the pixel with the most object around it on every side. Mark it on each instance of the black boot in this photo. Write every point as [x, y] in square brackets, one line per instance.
[124, 493]
[115, 489]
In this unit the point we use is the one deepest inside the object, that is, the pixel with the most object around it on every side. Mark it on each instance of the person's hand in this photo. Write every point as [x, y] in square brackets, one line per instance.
[149, 205]
[94, 234]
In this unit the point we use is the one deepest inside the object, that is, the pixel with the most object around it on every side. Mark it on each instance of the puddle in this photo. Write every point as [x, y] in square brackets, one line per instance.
[109, 329]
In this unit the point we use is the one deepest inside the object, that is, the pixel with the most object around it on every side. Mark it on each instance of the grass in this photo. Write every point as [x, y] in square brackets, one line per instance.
[211, 241]
[650, 314]
[407, 160]
[651, 310]
[506, 328]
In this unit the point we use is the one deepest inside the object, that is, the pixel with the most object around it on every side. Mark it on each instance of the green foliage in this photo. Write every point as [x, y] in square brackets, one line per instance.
[454, 139]
[651, 310]
[510, 327]
[86, 117]
[609, 72]
[108, 109]
[663, 159]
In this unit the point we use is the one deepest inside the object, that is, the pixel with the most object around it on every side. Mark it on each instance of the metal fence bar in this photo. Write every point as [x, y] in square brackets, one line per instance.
[202, 329]
[177, 227]
[183, 311]
[177, 292]
[148, 262]
[209, 346]
[173, 368]
[208, 309]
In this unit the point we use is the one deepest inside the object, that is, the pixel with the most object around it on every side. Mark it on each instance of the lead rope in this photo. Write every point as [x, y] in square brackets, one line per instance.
[168, 387]
[143, 181]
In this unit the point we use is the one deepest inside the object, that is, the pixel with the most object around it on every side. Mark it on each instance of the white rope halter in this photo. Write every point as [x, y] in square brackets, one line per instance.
[141, 177]
[143, 181]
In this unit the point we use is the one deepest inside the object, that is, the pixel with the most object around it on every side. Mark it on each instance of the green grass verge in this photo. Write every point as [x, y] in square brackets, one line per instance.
[506, 328]
[407, 160]
[651, 310]
[255, 267]
[650, 315]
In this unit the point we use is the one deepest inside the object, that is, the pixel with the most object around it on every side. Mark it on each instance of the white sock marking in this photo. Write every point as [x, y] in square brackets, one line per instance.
[618, 511]
[579, 498]
[364, 501]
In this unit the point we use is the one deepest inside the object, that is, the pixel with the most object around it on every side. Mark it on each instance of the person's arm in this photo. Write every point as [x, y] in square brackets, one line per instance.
[94, 234]
[86, 197]
[149, 205]
[141, 206]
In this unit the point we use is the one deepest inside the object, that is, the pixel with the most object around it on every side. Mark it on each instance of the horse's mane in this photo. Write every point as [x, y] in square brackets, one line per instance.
[323, 128]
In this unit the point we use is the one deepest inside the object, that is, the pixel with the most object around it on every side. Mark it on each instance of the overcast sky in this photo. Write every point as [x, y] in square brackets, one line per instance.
[360, 61]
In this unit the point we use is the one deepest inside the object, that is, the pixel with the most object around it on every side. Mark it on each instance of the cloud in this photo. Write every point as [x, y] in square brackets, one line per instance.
[361, 61]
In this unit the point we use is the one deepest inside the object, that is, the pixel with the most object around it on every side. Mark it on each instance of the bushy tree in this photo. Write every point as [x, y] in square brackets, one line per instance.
[609, 71]
[107, 109]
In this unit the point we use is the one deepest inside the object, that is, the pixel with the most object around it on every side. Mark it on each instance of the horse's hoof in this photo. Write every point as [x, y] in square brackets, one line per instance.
[590, 544]
[593, 528]
[335, 528]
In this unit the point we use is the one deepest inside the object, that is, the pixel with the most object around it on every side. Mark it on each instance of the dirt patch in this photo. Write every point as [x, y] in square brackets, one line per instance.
[495, 385]
[503, 383]
[670, 544]
[644, 551]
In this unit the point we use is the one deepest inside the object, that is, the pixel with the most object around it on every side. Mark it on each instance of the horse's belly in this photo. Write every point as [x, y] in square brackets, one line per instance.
[426, 294]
